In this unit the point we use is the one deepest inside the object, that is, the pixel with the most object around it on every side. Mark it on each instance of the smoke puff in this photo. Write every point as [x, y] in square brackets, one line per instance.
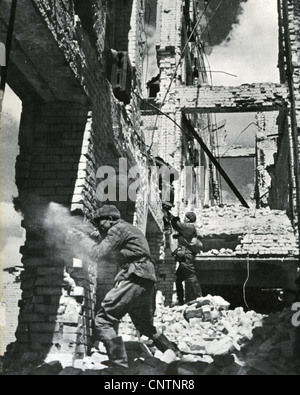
[219, 24]
[59, 225]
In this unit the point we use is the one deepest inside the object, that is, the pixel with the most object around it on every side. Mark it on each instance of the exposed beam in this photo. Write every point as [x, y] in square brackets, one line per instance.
[225, 99]
[187, 124]
[230, 110]
[237, 153]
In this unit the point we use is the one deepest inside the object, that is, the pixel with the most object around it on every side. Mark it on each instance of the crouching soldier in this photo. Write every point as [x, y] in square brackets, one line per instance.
[134, 291]
[189, 246]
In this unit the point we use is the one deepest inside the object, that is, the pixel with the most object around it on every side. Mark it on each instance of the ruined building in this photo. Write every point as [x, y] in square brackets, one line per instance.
[79, 69]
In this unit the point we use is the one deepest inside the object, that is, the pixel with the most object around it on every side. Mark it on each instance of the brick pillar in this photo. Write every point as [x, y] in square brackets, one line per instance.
[164, 262]
[262, 176]
[10, 294]
[58, 281]
[289, 19]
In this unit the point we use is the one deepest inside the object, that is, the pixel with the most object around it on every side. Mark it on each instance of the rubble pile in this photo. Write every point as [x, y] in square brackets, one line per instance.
[208, 332]
[262, 231]
[208, 328]
[246, 221]
[274, 348]
[222, 252]
[203, 329]
[213, 340]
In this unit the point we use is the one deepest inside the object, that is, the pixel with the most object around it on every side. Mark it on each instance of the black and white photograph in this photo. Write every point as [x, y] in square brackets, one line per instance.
[149, 190]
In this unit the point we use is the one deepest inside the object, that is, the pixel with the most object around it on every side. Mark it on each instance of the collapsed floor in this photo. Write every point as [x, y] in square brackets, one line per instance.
[213, 339]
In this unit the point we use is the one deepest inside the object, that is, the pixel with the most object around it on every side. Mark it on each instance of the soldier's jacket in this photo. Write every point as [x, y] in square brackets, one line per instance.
[188, 241]
[127, 244]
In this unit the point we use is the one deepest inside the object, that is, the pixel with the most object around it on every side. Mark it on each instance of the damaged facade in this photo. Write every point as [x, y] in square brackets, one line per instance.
[78, 68]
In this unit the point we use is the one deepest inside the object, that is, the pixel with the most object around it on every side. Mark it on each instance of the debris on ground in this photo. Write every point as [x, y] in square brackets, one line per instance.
[203, 329]
[207, 331]
[213, 339]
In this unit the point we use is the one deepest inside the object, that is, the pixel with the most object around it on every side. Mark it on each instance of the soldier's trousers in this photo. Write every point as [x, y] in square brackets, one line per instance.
[186, 272]
[136, 297]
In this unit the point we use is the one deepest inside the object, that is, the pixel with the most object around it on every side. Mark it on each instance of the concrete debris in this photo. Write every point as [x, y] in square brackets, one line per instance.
[204, 328]
[221, 252]
[168, 357]
[208, 332]
[213, 339]
[208, 327]
[274, 348]
[261, 231]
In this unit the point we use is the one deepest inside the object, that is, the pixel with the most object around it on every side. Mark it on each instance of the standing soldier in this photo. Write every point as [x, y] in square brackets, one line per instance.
[188, 247]
[134, 291]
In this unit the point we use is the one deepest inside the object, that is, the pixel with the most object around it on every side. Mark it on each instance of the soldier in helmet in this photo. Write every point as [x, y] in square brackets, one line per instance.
[134, 291]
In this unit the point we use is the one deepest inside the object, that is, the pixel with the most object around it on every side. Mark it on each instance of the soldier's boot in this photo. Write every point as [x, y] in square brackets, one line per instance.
[180, 292]
[194, 286]
[116, 352]
[164, 344]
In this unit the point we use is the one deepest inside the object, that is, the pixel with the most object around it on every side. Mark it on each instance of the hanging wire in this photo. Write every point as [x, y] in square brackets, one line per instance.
[179, 62]
[215, 143]
[162, 113]
[221, 72]
[243, 131]
[185, 47]
[217, 148]
[246, 282]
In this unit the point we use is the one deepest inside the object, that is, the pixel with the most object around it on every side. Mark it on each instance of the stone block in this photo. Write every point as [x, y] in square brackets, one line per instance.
[30, 318]
[49, 291]
[44, 327]
[168, 357]
[69, 318]
[77, 263]
[78, 292]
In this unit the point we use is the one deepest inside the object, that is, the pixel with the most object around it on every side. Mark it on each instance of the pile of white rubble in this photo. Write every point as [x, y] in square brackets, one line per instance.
[203, 329]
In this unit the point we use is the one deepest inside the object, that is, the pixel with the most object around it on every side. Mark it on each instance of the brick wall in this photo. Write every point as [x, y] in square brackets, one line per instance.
[51, 138]
[252, 97]
[55, 317]
[10, 296]
[266, 149]
[122, 24]
[169, 42]
[65, 136]
[289, 19]
[166, 279]
[170, 22]
[164, 262]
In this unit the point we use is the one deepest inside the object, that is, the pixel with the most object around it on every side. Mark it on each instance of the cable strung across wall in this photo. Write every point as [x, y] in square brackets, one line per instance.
[187, 43]
[177, 66]
[190, 132]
